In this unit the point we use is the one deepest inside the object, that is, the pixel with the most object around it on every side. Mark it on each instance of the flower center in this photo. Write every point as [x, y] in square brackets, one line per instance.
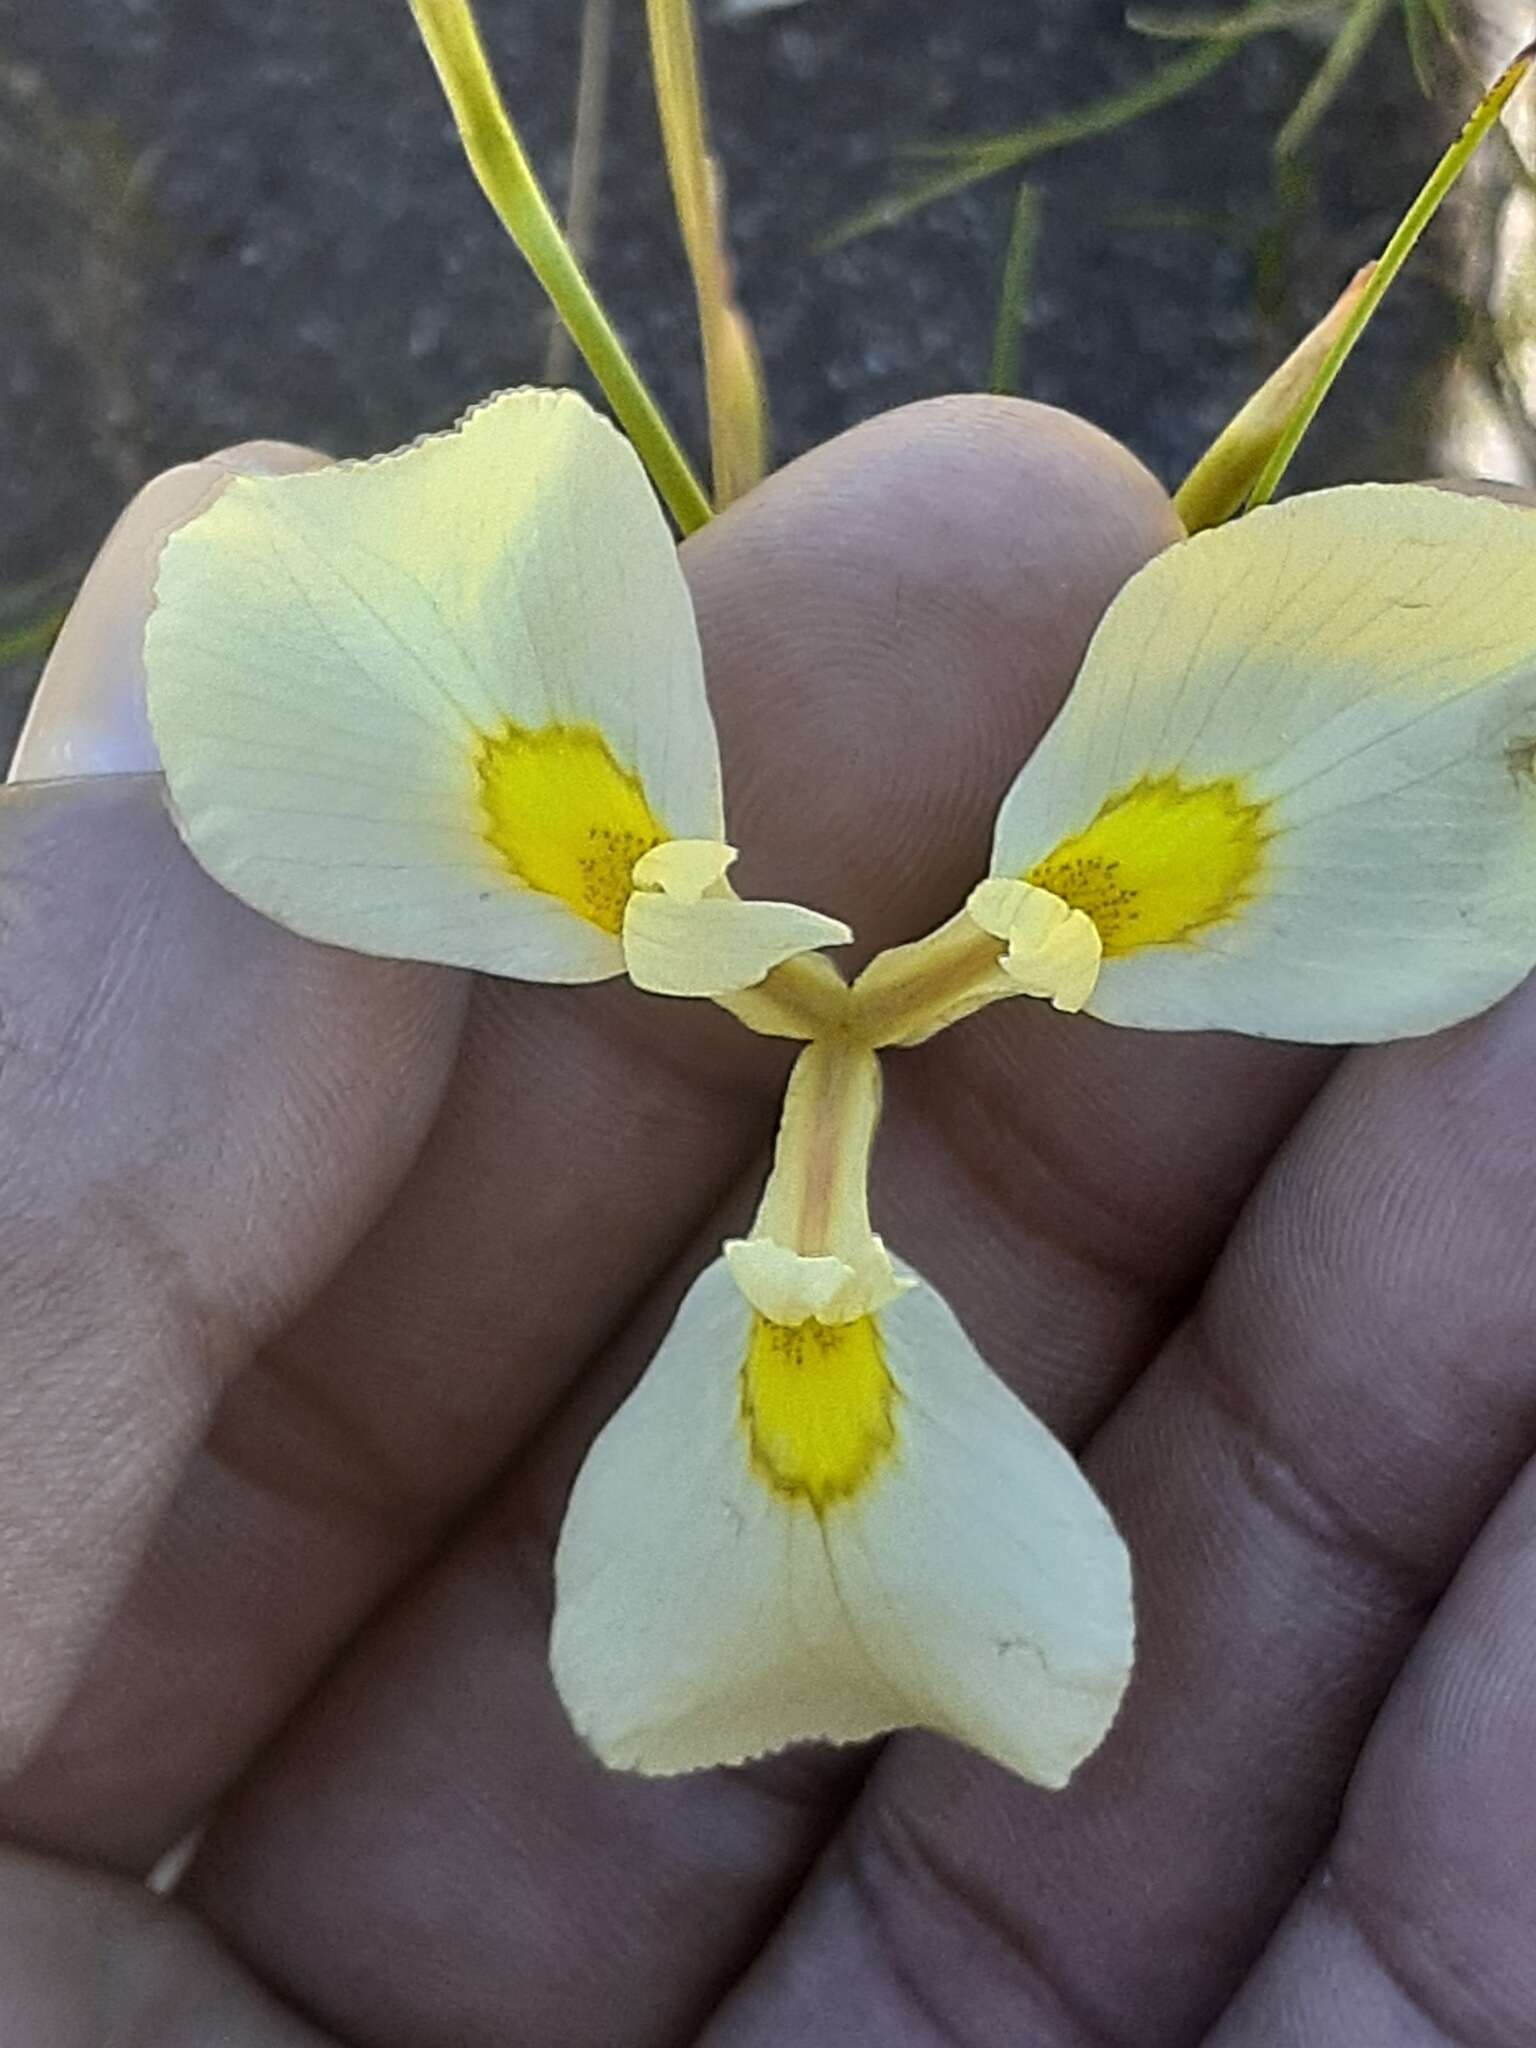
[565, 817]
[1162, 861]
[818, 1406]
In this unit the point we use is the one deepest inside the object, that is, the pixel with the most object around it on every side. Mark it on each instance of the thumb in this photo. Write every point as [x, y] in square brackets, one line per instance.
[201, 1114]
[88, 715]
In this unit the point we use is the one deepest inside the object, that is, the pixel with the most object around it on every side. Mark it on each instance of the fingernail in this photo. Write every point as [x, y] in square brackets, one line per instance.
[88, 714]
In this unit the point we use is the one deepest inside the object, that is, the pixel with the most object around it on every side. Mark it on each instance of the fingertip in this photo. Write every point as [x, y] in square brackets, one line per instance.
[88, 713]
[1486, 487]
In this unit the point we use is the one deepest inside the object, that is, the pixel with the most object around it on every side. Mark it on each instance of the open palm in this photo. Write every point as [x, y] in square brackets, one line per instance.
[317, 1275]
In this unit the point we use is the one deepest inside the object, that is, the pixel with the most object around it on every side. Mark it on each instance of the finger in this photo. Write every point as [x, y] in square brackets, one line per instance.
[1415, 1928]
[1297, 1478]
[176, 1181]
[587, 1133]
[383, 1755]
[178, 1177]
[88, 715]
[94, 1959]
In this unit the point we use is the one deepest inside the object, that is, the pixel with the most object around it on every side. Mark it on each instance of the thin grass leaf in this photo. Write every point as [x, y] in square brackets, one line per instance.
[733, 376]
[1484, 117]
[32, 612]
[1427, 27]
[32, 636]
[982, 157]
[1014, 296]
[1328, 81]
[1199, 25]
[1418, 32]
[593, 69]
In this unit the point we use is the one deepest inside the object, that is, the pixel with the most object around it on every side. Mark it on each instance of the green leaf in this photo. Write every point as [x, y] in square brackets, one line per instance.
[1426, 24]
[1344, 54]
[1199, 24]
[969, 161]
[1013, 299]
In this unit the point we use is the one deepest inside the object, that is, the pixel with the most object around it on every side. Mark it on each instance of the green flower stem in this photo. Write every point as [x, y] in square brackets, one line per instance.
[1415, 221]
[508, 180]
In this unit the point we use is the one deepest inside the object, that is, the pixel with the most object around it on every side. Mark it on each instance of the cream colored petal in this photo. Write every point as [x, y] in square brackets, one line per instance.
[1352, 675]
[331, 650]
[719, 943]
[694, 1618]
[973, 1584]
[985, 1576]
[417, 888]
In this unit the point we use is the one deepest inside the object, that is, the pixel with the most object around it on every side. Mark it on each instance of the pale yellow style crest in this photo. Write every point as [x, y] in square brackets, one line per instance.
[448, 704]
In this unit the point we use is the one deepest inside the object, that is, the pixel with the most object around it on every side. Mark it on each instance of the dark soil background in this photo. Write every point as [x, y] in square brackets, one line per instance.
[224, 220]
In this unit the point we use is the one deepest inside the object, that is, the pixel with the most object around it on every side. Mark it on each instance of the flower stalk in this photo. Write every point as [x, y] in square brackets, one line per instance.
[507, 178]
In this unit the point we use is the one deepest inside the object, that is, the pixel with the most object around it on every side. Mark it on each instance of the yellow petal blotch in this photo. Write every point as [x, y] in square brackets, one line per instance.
[818, 1406]
[565, 817]
[1163, 861]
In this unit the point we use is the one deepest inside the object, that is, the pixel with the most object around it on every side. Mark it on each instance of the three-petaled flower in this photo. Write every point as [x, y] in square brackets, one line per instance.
[449, 705]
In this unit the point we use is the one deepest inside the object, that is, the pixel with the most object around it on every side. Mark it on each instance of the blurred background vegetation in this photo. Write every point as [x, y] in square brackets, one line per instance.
[225, 221]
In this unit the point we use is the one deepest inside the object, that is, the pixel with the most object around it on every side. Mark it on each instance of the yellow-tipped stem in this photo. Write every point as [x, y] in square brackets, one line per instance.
[1418, 217]
[508, 180]
[733, 378]
[1219, 482]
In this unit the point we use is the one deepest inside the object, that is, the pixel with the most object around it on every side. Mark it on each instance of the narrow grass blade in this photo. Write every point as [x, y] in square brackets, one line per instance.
[32, 636]
[1344, 54]
[507, 178]
[1198, 25]
[32, 612]
[1418, 217]
[733, 378]
[1013, 299]
[594, 66]
[970, 161]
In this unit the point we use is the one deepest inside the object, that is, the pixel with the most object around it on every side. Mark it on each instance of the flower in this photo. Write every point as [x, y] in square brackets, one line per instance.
[448, 704]
[821, 1515]
[1291, 793]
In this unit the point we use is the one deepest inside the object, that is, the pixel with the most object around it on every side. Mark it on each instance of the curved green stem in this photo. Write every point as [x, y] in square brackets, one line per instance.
[508, 180]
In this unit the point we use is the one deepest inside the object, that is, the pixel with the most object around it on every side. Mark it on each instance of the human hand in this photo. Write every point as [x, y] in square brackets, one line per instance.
[304, 1338]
